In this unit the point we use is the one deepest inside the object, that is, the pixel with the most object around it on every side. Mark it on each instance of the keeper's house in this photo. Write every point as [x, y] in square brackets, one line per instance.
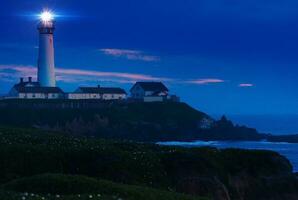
[102, 93]
[32, 90]
[151, 92]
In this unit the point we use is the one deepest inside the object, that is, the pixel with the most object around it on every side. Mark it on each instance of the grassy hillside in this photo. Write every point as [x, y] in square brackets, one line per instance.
[132, 121]
[28, 156]
[137, 121]
[159, 112]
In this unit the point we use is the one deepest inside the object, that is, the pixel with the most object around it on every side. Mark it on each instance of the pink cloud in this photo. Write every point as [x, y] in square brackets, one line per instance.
[12, 73]
[206, 81]
[246, 85]
[77, 75]
[120, 52]
[130, 54]
[106, 74]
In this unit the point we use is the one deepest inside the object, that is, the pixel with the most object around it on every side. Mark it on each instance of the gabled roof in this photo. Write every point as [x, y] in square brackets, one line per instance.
[152, 86]
[101, 90]
[38, 89]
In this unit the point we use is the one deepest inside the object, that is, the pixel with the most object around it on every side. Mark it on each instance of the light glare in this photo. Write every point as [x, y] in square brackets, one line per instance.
[47, 16]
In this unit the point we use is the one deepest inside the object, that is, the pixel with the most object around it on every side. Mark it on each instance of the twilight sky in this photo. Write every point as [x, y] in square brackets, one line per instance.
[220, 56]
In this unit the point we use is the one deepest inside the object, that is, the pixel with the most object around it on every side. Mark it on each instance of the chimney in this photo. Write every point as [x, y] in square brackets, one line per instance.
[30, 79]
[21, 80]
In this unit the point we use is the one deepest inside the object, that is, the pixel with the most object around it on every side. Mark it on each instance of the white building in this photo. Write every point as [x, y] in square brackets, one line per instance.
[45, 88]
[46, 65]
[32, 90]
[102, 93]
[149, 91]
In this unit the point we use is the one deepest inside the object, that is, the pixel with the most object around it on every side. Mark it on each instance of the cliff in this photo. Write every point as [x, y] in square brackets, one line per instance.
[42, 162]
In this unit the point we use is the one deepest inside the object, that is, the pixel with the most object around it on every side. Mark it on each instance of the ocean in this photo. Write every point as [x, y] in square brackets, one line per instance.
[288, 150]
[274, 124]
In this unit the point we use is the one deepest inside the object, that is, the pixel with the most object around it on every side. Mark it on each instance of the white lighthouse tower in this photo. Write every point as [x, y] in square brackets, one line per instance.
[46, 64]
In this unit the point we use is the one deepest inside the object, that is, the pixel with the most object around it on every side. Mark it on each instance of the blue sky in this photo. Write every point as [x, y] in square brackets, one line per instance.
[222, 57]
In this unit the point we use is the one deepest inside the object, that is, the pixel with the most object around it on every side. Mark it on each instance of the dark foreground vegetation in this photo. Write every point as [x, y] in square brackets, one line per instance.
[119, 120]
[54, 186]
[37, 164]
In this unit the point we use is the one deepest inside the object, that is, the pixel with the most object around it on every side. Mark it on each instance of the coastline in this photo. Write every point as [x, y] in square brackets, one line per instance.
[289, 150]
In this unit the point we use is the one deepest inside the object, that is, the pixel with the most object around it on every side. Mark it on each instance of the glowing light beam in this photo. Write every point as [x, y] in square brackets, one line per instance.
[47, 16]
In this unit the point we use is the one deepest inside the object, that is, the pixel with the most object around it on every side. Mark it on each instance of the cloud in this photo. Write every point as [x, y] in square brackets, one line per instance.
[206, 81]
[10, 73]
[13, 72]
[246, 85]
[129, 76]
[130, 54]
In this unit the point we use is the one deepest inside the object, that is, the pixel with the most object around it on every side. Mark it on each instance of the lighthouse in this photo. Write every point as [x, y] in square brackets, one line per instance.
[46, 63]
